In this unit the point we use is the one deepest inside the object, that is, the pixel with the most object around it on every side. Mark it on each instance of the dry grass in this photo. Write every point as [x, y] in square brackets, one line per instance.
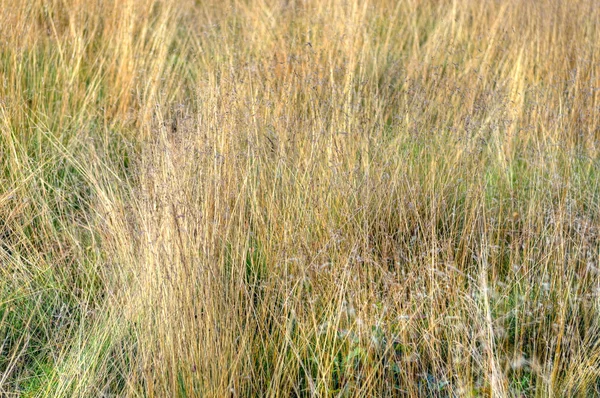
[299, 198]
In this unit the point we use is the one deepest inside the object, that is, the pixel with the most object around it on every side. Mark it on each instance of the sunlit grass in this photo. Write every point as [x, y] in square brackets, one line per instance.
[299, 198]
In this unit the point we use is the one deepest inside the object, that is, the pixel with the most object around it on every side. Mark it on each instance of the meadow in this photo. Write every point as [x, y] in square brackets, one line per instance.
[299, 198]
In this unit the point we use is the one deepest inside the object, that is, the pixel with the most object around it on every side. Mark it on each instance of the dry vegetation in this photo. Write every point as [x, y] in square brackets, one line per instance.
[299, 198]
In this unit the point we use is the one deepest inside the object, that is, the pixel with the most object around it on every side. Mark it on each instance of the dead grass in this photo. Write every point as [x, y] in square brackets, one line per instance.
[299, 198]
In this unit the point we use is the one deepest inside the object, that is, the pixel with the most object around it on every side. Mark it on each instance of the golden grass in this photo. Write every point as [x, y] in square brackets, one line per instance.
[299, 198]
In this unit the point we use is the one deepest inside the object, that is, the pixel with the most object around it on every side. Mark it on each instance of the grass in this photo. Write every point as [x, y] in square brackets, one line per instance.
[299, 198]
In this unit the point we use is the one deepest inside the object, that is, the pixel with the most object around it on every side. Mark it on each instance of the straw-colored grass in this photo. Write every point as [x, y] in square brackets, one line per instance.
[299, 198]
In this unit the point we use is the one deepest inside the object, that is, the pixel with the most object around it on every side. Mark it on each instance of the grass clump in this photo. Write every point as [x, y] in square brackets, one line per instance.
[299, 198]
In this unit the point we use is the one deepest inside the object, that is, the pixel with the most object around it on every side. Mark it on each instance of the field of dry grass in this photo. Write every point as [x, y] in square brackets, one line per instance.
[290, 198]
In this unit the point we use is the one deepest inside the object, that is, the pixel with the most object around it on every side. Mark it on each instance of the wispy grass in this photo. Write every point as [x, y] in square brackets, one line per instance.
[299, 198]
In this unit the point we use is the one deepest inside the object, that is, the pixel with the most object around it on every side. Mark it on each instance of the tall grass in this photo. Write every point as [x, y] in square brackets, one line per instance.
[299, 198]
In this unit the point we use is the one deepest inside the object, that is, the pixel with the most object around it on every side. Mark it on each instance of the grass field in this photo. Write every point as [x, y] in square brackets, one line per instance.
[290, 198]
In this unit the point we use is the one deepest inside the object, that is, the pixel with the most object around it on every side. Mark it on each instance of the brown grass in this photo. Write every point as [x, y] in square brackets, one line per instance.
[299, 198]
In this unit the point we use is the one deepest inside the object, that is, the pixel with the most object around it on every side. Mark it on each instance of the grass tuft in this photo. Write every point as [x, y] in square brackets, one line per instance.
[299, 198]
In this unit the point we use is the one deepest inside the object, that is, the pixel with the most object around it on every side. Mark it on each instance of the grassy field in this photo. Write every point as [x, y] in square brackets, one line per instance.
[290, 198]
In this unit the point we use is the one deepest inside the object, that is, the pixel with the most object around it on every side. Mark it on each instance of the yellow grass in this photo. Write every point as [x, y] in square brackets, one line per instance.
[299, 198]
